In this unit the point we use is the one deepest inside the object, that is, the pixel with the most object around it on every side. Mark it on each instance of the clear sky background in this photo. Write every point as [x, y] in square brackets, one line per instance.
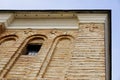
[114, 5]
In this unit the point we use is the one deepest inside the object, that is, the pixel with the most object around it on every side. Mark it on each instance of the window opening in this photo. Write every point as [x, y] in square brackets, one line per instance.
[33, 49]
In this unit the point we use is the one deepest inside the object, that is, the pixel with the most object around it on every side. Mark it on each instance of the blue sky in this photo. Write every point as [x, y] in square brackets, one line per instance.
[114, 5]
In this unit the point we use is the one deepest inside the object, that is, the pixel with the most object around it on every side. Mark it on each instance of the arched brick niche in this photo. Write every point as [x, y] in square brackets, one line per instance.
[36, 41]
[60, 58]
[24, 60]
[8, 38]
[7, 42]
[35, 36]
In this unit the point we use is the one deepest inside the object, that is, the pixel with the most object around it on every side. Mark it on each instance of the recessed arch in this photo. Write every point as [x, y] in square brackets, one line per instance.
[37, 36]
[8, 37]
[70, 37]
[7, 41]
[33, 45]
[25, 56]
[58, 63]
[33, 40]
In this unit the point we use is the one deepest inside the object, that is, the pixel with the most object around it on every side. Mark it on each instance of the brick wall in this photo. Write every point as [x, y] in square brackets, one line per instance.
[88, 57]
[64, 55]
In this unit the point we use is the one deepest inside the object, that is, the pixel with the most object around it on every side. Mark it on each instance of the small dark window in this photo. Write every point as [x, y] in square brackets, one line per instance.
[32, 49]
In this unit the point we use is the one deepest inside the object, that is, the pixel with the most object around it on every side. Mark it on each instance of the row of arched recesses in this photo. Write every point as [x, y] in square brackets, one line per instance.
[62, 49]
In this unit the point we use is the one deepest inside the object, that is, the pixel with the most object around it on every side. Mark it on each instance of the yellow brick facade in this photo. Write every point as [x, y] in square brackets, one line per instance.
[66, 54]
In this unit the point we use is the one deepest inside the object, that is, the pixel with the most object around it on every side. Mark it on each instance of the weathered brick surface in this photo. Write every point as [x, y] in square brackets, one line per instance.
[63, 58]
[2, 28]
[88, 60]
